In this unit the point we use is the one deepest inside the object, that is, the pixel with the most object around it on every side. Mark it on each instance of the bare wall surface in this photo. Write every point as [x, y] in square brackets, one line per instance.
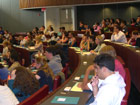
[17, 20]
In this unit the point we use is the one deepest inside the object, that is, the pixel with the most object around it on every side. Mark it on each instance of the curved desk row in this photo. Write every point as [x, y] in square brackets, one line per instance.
[78, 67]
[131, 57]
[24, 53]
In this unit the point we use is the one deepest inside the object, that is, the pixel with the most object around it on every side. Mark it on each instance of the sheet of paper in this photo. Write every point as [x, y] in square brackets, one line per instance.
[86, 53]
[77, 78]
[61, 99]
[67, 88]
[75, 88]
[108, 40]
[31, 48]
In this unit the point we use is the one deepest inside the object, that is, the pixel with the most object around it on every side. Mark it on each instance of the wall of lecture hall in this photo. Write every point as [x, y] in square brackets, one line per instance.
[91, 14]
[16, 20]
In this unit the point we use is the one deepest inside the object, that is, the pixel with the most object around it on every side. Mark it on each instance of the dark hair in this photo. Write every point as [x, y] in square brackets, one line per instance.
[112, 20]
[66, 34]
[25, 81]
[6, 31]
[124, 22]
[133, 20]
[1, 66]
[102, 31]
[118, 27]
[55, 34]
[52, 50]
[105, 60]
[72, 33]
[51, 28]
[14, 56]
[36, 28]
[135, 32]
[30, 33]
[43, 26]
[63, 28]
[41, 32]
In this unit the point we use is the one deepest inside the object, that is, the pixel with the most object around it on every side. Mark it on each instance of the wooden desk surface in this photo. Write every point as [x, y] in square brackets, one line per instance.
[84, 96]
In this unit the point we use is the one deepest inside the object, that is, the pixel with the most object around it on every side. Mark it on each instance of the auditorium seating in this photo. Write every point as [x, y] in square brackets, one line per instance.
[127, 88]
[65, 70]
[37, 96]
[121, 61]
[56, 82]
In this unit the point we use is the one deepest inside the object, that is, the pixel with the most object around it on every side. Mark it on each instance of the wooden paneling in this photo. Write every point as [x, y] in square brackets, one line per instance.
[41, 3]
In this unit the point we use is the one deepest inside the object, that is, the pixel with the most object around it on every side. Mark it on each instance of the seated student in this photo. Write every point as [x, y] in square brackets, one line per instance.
[42, 35]
[63, 54]
[7, 97]
[13, 40]
[92, 43]
[38, 44]
[84, 44]
[1, 38]
[44, 73]
[11, 49]
[118, 36]
[111, 90]
[54, 39]
[133, 22]
[132, 41]
[54, 60]
[50, 30]
[96, 27]
[35, 31]
[14, 61]
[118, 66]
[101, 32]
[6, 34]
[5, 49]
[72, 40]
[64, 39]
[23, 83]
[100, 45]
[29, 42]
[124, 28]
[22, 41]
[61, 30]
[105, 28]
[1, 31]
[81, 27]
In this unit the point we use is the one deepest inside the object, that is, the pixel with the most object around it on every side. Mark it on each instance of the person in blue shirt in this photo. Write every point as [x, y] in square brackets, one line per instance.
[1, 31]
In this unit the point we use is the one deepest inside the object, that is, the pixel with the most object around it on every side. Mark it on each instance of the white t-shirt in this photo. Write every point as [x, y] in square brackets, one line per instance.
[111, 91]
[5, 50]
[120, 37]
[7, 97]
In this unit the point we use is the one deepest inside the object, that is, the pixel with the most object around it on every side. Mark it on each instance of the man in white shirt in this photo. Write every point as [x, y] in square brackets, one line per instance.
[111, 89]
[118, 36]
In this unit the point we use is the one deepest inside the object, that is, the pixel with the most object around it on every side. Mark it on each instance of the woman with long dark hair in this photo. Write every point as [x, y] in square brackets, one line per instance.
[23, 83]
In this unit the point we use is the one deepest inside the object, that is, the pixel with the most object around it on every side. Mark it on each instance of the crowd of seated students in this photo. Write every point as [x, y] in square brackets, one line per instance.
[57, 53]
[48, 64]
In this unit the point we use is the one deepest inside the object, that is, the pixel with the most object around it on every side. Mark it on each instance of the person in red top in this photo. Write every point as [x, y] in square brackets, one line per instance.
[132, 40]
